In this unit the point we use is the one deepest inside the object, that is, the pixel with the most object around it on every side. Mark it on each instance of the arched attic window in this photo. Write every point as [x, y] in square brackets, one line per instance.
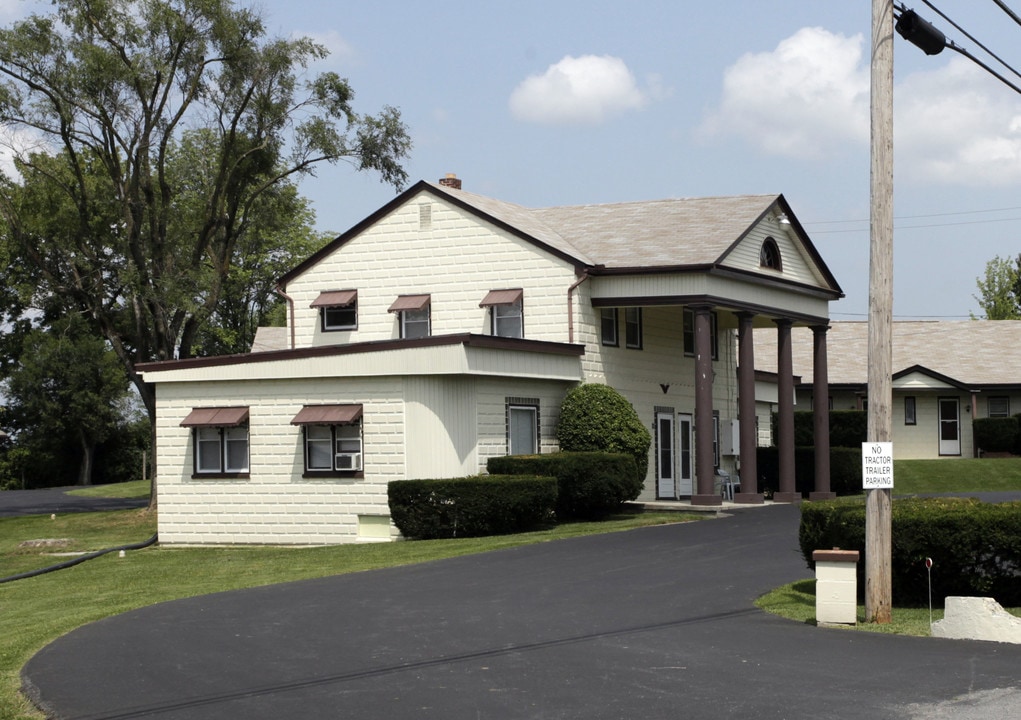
[769, 255]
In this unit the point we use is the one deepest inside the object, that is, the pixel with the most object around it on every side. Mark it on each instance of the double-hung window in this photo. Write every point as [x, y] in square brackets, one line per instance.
[608, 327]
[506, 312]
[413, 312]
[910, 410]
[522, 426]
[689, 334]
[333, 439]
[999, 406]
[633, 327]
[220, 437]
[338, 310]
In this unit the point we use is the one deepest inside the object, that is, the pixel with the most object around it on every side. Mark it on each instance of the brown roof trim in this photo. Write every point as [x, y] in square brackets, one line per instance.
[512, 229]
[501, 297]
[809, 245]
[466, 339]
[420, 186]
[746, 276]
[216, 417]
[327, 415]
[718, 303]
[921, 369]
[405, 303]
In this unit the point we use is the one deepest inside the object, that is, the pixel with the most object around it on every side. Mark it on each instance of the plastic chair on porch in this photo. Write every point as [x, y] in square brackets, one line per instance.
[728, 484]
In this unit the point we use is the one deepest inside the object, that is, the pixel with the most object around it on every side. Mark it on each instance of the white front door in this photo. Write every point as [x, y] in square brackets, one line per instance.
[949, 426]
[685, 432]
[665, 465]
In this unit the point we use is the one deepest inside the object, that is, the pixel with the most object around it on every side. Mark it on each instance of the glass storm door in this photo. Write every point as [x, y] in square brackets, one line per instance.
[949, 426]
[685, 429]
[665, 485]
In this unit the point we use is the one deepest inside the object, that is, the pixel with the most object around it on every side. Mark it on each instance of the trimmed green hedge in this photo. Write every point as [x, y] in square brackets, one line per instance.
[996, 434]
[845, 470]
[590, 485]
[471, 506]
[975, 547]
[848, 428]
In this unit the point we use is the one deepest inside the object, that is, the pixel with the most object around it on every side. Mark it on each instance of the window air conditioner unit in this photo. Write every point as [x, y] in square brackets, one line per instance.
[349, 461]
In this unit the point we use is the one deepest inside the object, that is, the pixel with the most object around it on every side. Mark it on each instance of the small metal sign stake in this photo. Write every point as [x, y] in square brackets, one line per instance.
[928, 569]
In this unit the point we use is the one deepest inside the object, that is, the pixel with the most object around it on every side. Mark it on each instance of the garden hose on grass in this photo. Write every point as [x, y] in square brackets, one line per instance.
[80, 559]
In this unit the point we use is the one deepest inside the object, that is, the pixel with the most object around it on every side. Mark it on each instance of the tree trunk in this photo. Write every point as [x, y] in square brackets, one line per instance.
[88, 455]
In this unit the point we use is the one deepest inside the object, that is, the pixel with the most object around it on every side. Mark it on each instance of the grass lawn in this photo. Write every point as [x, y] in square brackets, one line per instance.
[797, 602]
[133, 489]
[36, 611]
[956, 475]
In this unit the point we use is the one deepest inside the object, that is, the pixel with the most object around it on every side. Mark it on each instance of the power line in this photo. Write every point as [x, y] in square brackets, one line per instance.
[914, 217]
[919, 227]
[1013, 15]
[924, 35]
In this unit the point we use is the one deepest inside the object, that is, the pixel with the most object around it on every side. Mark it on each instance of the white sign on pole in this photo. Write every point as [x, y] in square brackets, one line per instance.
[876, 465]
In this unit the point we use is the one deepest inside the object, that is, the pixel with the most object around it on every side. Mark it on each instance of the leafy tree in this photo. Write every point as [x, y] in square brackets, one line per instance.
[597, 417]
[1001, 289]
[65, 396]
[113, 91]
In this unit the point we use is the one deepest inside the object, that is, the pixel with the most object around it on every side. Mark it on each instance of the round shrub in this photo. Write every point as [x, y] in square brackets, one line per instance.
[597, 418]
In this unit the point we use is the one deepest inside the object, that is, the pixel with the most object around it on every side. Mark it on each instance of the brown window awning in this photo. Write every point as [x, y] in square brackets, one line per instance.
[404, 303]
[335, 298]
[501, 297]
[327, 415]
[216, 417]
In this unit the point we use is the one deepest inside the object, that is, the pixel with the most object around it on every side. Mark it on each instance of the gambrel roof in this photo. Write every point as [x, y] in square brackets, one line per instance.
[962, 353]
[630, 237]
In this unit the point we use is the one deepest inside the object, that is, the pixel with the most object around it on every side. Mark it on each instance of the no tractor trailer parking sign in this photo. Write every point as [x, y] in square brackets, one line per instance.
[876, 465]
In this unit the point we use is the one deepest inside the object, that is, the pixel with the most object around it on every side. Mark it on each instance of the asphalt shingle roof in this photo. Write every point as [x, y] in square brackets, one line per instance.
[648, 234]
[973, 352]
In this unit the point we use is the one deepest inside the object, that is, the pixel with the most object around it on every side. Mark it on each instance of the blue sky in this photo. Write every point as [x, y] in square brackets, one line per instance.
[568, 102]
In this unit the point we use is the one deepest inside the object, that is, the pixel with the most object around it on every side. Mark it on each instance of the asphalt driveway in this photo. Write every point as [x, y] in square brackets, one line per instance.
[651, 623]
[46, 501]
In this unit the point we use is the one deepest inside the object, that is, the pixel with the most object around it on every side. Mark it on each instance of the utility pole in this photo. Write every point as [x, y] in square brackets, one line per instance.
[878, 599]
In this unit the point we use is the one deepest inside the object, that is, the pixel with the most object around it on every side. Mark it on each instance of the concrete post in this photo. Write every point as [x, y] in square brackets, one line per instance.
[705, 466]
[821, 407]
[746, 410]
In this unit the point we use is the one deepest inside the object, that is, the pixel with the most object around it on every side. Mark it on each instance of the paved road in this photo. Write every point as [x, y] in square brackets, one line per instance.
[651, 623]
[47, 501]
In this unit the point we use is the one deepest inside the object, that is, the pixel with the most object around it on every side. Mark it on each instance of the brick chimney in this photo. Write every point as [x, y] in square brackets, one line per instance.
[451, 181]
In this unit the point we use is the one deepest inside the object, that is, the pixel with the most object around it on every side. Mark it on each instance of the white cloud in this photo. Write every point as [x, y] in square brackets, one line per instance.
[583, 90]
[805, 99]
[333, 41]
[958, 125]
[809, 99]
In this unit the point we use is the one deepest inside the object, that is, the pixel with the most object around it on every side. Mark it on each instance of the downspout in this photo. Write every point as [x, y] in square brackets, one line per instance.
[290, 311]
[570, 304]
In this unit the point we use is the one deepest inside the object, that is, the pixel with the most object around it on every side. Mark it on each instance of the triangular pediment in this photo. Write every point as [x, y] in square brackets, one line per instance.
[789, 257]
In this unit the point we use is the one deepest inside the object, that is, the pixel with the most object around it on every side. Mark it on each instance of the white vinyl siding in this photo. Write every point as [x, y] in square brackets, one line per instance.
[795, 262]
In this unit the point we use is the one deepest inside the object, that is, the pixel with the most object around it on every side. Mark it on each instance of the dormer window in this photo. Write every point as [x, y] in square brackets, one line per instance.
[338, 309]
[769, 255]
